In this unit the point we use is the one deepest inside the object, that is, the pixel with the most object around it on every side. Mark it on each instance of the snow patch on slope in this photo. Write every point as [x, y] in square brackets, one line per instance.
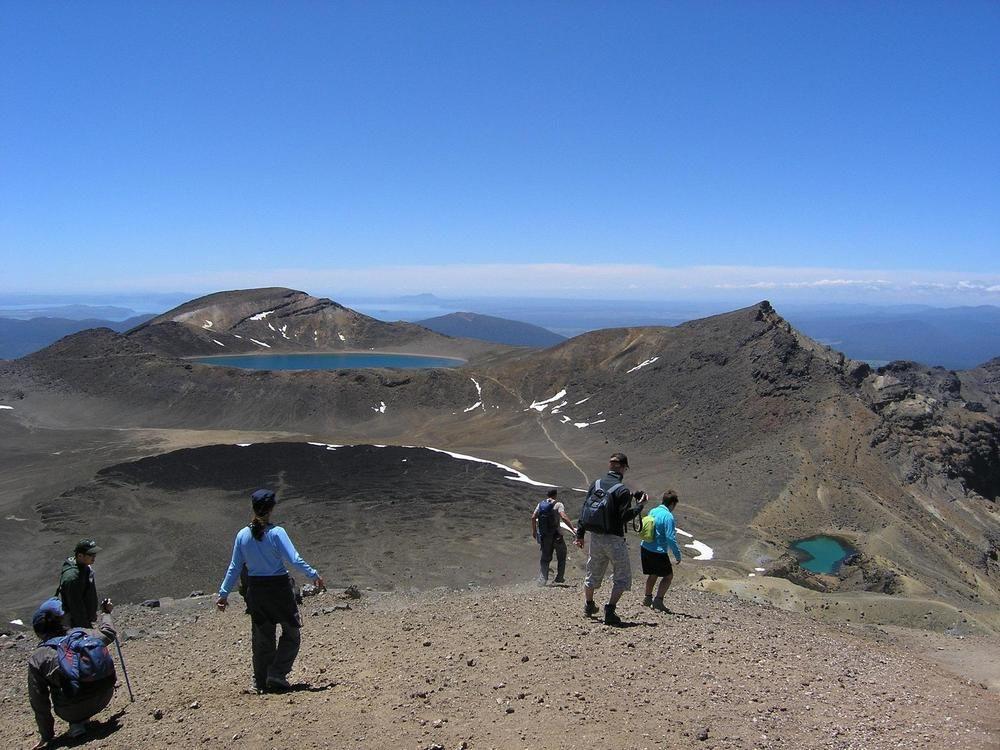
[642, 364]
[542, 405]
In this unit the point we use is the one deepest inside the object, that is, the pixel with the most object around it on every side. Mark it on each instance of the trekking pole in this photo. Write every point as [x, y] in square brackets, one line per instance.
[121, 658]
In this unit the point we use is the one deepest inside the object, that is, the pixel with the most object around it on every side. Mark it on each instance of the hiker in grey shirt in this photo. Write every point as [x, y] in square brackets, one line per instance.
[47, 688]
[546, 529]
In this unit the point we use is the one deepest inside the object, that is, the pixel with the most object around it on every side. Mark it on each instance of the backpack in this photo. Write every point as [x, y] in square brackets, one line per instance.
[547, 518]
[598, 509]
[648, 531]
[83, 659]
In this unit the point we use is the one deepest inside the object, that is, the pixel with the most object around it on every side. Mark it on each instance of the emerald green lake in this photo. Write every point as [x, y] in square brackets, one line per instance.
[822, 554]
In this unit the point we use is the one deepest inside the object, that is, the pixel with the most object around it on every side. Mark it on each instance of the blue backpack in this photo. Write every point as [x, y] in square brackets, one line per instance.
[83, 659]
[548, 519]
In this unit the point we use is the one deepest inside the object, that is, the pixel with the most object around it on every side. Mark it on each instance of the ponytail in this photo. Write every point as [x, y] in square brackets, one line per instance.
[258, 525]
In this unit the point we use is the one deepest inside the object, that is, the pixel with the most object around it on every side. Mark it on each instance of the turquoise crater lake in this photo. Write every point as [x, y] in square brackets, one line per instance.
[349, 361]
[822, 554]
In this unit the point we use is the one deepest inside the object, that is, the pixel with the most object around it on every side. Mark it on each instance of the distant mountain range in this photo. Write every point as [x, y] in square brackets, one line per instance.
[489, 328]
[21, 337]
[954, 338]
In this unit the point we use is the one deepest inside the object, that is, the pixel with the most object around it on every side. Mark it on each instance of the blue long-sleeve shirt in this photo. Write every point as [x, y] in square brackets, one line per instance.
[666, 534]
[264, 558]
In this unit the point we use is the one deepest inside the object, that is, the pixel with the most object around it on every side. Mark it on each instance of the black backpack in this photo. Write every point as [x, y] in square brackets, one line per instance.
[598, 512]
[547, 518]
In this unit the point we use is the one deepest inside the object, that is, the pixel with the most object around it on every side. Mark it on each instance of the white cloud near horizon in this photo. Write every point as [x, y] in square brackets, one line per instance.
[574, 281]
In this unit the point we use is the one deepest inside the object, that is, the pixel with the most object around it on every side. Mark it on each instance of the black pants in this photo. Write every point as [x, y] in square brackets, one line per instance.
[271, 602]
[550, 543]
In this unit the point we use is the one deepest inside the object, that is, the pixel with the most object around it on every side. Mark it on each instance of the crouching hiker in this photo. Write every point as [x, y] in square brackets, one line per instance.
[264, 548]
[655, 560]
[71, 672]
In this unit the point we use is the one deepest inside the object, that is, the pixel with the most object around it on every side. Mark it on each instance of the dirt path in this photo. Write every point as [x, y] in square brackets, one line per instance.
[520, 667]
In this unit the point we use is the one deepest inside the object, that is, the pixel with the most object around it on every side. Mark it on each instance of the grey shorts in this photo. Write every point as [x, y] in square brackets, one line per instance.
[604, 549]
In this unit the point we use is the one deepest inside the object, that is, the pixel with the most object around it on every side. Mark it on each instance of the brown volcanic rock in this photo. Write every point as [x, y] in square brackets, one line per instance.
[925, 416]
[278, 319]
[519, 667]
[708, 387]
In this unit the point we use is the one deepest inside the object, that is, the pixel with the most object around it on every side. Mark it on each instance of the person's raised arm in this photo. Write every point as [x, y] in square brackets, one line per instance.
[625, 499]
[104, 624]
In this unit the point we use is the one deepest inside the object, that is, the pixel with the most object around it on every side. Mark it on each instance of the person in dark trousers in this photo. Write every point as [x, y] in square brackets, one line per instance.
[77, 589]
[655, 560]
[547, 531]
[607, 539]
[47, 688]
[270, 598]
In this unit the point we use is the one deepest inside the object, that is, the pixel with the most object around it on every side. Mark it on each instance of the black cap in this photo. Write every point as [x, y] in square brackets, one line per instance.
[86, 547]
[262, 501]
[620, 458]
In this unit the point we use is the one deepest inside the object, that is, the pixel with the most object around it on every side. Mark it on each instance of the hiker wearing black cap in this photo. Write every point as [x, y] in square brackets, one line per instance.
[77, 589]
[52, 682]
[265, 548]
[606, 510]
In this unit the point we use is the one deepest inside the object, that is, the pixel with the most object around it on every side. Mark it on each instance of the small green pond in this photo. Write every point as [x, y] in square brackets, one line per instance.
[822, 554]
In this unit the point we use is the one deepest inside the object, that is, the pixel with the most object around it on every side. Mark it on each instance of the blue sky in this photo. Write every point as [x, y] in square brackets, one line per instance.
[688, 148]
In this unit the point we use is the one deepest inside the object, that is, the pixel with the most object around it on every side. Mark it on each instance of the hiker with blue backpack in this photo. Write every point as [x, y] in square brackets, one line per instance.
[546, 529]
[265, 548]
[659, 536]
[606, 509]
[70, 671]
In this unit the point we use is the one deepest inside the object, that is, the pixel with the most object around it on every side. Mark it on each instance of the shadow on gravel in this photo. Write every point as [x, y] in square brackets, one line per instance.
[303, 687]
[96, 730]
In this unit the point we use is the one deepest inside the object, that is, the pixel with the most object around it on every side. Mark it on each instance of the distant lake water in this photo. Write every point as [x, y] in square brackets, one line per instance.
[361, 360]
[822, 554]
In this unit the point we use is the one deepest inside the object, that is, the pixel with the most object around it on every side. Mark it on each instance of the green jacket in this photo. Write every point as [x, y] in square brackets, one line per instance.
[78, 594]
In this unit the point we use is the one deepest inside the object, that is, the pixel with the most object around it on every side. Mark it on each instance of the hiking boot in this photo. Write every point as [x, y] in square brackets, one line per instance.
[647, 600]
[558, 579]
[590, 609]
[278, 684]
[658, 605]
[77, 730]
[610, 618]
[252, 688]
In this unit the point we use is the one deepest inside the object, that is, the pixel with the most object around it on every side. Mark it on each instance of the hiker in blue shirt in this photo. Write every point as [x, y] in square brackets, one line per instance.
[265, 548]
[655, 560]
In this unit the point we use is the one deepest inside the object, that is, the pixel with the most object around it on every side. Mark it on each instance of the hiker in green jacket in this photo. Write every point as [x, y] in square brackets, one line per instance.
[76, 585]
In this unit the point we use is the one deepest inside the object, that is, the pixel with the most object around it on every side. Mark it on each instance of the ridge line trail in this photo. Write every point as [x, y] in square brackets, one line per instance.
[538, 419]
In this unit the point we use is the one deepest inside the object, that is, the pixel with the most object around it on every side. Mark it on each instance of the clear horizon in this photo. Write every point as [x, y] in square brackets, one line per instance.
[689, 151]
